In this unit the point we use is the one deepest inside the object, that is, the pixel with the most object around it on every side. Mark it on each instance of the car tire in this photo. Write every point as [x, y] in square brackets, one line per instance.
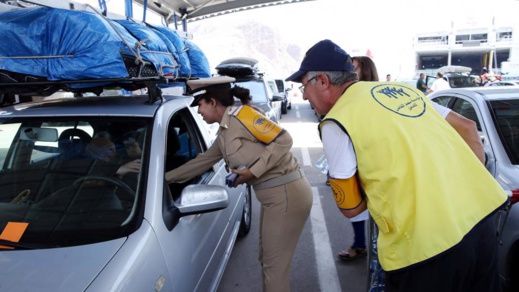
[284, 109]
[246, 217]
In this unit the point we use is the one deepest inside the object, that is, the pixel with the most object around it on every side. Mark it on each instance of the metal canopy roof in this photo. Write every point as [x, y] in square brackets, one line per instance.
[192, 10]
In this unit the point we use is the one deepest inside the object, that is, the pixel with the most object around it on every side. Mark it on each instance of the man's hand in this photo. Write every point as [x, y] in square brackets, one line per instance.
[132, 166]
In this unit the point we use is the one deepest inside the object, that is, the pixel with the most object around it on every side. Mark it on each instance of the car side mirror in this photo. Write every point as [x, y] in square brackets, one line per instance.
[197, 199]
[277, 98]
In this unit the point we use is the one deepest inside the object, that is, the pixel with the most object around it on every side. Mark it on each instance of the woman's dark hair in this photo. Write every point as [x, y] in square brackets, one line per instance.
[368, 70]
[225, 96]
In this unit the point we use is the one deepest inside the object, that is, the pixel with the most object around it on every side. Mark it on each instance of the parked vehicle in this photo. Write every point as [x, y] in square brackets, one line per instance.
[248, 75]
[456, 76]
[503, 83]
[280, 88]
[496, 113]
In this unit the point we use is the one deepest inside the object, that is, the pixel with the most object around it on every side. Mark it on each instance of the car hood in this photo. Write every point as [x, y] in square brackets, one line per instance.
[57, 269]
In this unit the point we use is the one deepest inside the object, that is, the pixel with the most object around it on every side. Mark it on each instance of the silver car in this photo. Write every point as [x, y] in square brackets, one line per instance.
[262, 96]
[496, 112]
[73, 217]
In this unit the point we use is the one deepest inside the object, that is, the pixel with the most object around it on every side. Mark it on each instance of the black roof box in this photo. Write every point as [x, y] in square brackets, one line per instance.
[241, 66]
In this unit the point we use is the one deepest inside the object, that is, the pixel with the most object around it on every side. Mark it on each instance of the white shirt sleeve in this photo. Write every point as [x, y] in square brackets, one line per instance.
[342, 161]
[338, 149]
[443, 111]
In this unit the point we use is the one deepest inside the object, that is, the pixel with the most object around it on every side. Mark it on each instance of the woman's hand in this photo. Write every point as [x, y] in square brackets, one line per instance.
[244, 176]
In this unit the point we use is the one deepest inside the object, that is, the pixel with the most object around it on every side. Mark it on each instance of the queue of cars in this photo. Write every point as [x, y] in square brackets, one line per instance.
[496, 113]
[264, 91]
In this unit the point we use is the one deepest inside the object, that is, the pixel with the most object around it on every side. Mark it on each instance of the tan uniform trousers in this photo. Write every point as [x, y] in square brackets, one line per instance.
[284, 211]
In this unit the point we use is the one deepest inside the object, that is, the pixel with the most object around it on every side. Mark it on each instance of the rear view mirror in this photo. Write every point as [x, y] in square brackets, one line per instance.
[39, 134]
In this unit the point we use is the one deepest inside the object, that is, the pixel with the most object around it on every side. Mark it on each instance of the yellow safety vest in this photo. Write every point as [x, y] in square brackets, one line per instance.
[425, 187]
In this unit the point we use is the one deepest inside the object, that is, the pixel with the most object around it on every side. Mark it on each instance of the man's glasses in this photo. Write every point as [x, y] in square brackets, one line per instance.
[302, 87]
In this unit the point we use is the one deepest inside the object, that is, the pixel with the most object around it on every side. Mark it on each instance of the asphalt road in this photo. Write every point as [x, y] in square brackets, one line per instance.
[315, 266]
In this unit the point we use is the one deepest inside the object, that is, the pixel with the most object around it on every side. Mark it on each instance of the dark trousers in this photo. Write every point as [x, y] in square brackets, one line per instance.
[359, 230]
[471, 266]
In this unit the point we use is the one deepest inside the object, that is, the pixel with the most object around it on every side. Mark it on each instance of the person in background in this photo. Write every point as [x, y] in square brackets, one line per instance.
[388, 77]
[439, 84]
[420, 84]
[269, 167]
[366, 71]
[131, 160]
[436, 215]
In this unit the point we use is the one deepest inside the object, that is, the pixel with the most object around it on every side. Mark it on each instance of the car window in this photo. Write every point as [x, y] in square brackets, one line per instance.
[273, 86]
[443, 100]
[466, 109]
[67, 176]
[184, 142]
[507, 116]
[257, 90]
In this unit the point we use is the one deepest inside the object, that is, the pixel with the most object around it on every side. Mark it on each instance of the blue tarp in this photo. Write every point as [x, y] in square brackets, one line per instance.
[178, 49]
[153, 47]
[60, 44]
[199, 63]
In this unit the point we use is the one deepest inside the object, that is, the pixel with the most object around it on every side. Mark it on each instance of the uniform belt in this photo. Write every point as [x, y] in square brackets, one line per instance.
[281, 180]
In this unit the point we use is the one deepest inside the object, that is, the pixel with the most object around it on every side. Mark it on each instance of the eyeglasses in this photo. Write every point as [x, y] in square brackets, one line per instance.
[302, 87]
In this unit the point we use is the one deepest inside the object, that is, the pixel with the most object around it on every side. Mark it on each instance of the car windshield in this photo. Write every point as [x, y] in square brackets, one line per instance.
[67, 180]
[507, 114]
[257, 90]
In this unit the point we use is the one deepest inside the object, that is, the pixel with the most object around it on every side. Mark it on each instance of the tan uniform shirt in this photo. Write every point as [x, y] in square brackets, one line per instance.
[237, 146]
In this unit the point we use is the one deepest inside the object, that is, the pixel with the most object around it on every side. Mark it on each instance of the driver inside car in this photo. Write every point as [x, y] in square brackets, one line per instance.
[97, 189]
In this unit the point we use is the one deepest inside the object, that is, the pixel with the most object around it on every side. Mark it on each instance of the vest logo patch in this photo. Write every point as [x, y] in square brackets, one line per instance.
[262, 125]
[400, 99]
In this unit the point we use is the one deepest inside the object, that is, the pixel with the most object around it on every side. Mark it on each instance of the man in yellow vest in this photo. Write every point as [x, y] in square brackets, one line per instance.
[418, 169]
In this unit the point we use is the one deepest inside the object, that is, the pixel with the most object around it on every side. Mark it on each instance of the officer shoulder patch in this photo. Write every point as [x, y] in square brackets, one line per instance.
[258, 125]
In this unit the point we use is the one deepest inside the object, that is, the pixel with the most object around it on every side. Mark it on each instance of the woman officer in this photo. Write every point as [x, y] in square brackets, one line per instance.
[247, 138]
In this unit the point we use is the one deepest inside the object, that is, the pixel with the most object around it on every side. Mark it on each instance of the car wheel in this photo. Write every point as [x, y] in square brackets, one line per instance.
[246, 217]
[284, 108]
[289, 106]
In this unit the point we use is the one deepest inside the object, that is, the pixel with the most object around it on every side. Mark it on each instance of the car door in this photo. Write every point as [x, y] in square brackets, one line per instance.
[195, 247]
[276, 104]
[470, 109]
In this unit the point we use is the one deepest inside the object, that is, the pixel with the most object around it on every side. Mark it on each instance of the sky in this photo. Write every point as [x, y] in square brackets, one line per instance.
[384, 27]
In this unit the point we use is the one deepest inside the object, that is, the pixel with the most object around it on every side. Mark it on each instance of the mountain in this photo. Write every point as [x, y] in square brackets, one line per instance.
[277, 57]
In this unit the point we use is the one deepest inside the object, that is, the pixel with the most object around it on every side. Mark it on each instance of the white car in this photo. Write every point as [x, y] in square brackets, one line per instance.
[496, 113]
[503, 83]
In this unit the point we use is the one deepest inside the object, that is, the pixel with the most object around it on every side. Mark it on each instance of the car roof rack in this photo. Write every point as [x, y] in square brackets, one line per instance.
[96, 86]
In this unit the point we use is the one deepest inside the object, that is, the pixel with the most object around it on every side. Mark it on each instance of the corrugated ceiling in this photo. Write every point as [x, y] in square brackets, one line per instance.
[192, 10]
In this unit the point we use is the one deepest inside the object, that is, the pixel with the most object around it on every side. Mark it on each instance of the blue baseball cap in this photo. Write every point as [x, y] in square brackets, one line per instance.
[323, 56]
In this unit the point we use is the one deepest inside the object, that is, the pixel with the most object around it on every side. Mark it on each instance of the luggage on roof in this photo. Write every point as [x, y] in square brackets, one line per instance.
[63, 46]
